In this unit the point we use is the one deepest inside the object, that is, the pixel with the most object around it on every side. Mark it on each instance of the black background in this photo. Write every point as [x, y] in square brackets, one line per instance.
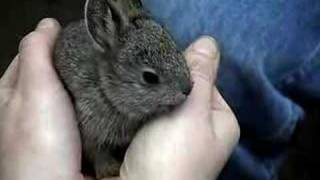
[19, 17]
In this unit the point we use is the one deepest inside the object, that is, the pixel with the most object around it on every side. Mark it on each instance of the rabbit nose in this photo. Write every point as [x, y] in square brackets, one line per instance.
[186, 90]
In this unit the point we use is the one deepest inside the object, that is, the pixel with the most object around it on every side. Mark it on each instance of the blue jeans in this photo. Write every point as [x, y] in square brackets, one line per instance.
[268, 47]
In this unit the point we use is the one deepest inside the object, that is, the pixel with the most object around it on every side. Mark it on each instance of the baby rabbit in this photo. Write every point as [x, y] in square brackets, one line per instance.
[121, 69]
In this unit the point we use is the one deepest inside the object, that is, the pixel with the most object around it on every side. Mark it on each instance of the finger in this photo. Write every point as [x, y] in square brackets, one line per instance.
[9, 78]
[36, 68]
[224, 122]
[203, 59]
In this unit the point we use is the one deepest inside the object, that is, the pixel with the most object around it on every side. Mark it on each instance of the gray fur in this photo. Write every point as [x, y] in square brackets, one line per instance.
[101, 61]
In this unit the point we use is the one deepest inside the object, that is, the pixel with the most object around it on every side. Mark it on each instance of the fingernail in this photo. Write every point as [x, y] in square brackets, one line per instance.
[207, 46]
[46, 23]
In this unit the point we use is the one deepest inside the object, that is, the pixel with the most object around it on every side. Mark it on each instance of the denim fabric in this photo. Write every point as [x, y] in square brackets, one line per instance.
[268, 47]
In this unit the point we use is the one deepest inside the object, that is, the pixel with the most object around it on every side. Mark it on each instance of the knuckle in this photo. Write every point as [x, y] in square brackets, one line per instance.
[228, 130]
[202, 64]
[33, 38]
[201, 77]
[234, 126]
[231, 126]
[200, 59]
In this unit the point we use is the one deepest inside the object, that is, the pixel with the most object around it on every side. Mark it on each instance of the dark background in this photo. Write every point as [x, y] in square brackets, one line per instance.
[19, 17]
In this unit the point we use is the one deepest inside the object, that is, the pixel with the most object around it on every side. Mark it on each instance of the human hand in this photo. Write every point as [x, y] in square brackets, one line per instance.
[195, 141]
[39, 138]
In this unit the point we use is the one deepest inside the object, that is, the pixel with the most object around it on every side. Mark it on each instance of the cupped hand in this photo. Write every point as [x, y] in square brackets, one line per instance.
[195, 141]
[39, 138]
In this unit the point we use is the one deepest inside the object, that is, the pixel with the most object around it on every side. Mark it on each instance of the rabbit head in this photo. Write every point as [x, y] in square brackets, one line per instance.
[141, 70]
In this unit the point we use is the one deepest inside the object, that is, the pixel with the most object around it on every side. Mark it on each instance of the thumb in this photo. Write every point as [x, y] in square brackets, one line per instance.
[203, 59]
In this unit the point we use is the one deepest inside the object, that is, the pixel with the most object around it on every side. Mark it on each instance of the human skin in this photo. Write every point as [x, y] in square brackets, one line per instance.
[39, 137]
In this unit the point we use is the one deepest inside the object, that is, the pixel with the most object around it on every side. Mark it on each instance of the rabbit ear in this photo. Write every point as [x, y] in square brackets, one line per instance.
[104, 20]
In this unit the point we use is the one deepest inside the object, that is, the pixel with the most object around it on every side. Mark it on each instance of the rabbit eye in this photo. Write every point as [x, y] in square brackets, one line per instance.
[150, 77]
